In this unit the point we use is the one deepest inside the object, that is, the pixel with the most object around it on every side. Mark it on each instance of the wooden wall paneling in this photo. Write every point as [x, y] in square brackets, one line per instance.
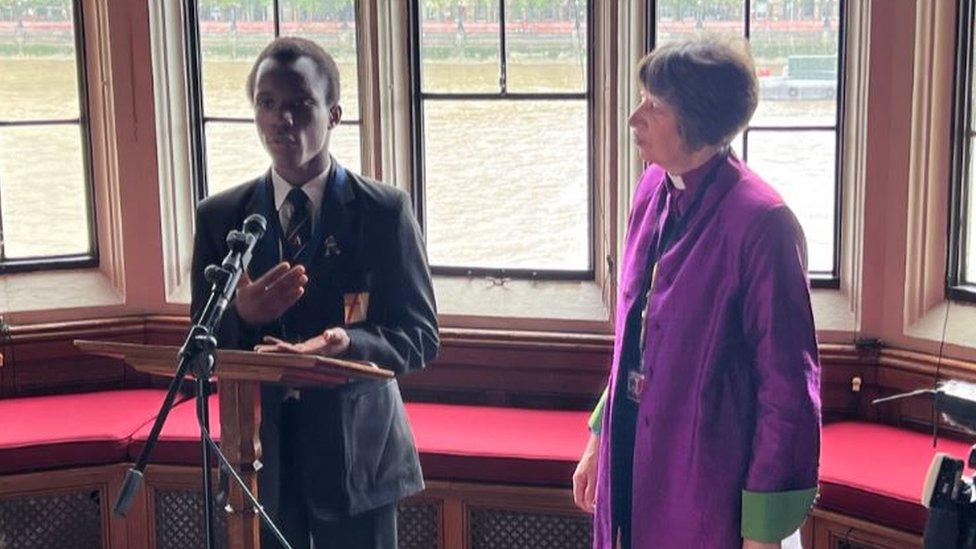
[900, 371]
[184, 483]
[54, 365]
[166, 330]
[7, 371]
[835, 531]
[46, 361]
[135, 525]
[845, 374]
[120, 528]
[413, 536]
[454, 523]
[461, 499]
[807, 533]
[103, 480]
[550, 370]
[842, 395]
[515, 369]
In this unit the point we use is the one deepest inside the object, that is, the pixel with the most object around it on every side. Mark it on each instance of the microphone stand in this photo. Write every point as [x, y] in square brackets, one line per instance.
[196, 355]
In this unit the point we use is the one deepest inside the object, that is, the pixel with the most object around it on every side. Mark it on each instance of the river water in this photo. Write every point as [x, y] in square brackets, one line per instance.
[507, 181]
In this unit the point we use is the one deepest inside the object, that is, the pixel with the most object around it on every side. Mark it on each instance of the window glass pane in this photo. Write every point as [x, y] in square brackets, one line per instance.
[43, 191]
[38, 67]
[681, 19]
[795, 47]
[459, 46]
[795, 44]
[801, 166]
[506, 184]
[234, 155]
[546, 45]
[331, 25]
[344, 146]
[231, 36]
[37, 88]
[737, 145]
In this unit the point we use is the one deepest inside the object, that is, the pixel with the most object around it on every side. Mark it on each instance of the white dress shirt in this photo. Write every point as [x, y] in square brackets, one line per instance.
[314, 188]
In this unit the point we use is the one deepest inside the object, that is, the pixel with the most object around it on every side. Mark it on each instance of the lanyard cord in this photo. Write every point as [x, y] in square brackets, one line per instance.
[665, 238]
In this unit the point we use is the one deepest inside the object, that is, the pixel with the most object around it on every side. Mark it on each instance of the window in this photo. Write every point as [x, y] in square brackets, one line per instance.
[962, 239]
[793, 140]
[224, 38]
[503, 137]
[46, 218]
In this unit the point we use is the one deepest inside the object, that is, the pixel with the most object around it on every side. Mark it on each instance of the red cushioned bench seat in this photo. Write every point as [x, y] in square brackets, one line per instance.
[486, 444]
[455, 442]
[179, 441]
[45, 432]
[867, 470]
[876, 472]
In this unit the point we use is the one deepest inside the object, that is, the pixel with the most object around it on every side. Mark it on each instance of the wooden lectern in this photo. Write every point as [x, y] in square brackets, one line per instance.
[240, 374]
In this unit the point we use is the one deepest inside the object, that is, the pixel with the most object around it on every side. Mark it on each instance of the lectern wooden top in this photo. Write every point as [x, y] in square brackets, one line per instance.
[288, 369]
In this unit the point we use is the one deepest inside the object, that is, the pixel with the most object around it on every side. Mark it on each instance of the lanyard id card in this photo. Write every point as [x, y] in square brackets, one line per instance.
[635, 385]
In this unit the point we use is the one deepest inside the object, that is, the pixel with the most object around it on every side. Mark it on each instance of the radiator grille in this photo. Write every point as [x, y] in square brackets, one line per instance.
[45, 521]
[503, 529]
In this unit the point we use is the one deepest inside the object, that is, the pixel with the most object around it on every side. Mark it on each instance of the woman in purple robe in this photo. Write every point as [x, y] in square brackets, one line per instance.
[709, 432]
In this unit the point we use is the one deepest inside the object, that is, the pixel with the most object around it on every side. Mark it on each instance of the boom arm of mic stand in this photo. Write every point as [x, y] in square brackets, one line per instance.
[226, 465]
[198, 342]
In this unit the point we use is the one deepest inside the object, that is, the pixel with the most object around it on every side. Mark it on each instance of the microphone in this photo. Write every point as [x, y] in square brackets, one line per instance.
[241, 246]
[255, 224]
[241, 243]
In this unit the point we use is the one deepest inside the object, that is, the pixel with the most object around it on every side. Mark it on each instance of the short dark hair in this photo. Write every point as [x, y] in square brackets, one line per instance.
[710, 82]
[287, 49]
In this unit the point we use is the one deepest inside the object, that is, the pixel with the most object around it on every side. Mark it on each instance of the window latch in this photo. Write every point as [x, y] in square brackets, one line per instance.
[497, 281]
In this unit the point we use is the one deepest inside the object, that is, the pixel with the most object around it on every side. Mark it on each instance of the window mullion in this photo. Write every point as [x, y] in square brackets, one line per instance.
[747, 19]
[959, 279]
[745, 144]
[276, 17]
[502, 50]
[195, 112]
[39, 122]
[3, 252]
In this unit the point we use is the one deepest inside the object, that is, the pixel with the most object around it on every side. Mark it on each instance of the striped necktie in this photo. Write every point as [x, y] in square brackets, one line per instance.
[299, 229]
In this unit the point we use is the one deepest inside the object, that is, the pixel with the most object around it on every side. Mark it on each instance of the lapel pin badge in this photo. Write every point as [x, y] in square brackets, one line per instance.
[331, 246]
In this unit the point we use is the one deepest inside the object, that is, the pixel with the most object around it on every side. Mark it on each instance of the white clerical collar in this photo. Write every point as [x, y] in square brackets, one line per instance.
[677, 181]
[314, 188]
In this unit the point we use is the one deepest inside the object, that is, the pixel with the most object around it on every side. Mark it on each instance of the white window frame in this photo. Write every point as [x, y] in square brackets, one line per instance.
[519, 305]
[45, 296]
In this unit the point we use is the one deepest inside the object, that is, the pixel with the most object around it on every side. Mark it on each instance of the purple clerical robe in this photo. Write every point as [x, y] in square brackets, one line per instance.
[731, 400]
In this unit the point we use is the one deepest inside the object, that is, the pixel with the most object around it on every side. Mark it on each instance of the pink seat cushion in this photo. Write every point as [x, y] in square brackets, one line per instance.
[455, 442]
[876, 472]
[45, 432]
[179, 441]
[498, 444]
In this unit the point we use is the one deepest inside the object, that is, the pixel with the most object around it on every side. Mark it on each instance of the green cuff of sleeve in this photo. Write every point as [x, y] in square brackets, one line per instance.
[770, 517]
[596, 418]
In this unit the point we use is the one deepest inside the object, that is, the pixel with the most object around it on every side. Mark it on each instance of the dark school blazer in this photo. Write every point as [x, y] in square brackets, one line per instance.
[357, 449]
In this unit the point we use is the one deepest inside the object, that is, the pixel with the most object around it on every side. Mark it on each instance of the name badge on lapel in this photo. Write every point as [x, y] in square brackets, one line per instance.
[331, 246]
[355, 306]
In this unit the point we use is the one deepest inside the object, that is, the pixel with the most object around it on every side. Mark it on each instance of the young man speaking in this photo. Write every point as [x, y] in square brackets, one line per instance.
[341, 271]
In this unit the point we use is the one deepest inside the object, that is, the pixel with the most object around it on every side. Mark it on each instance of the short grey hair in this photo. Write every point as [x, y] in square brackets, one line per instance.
[711, 83]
